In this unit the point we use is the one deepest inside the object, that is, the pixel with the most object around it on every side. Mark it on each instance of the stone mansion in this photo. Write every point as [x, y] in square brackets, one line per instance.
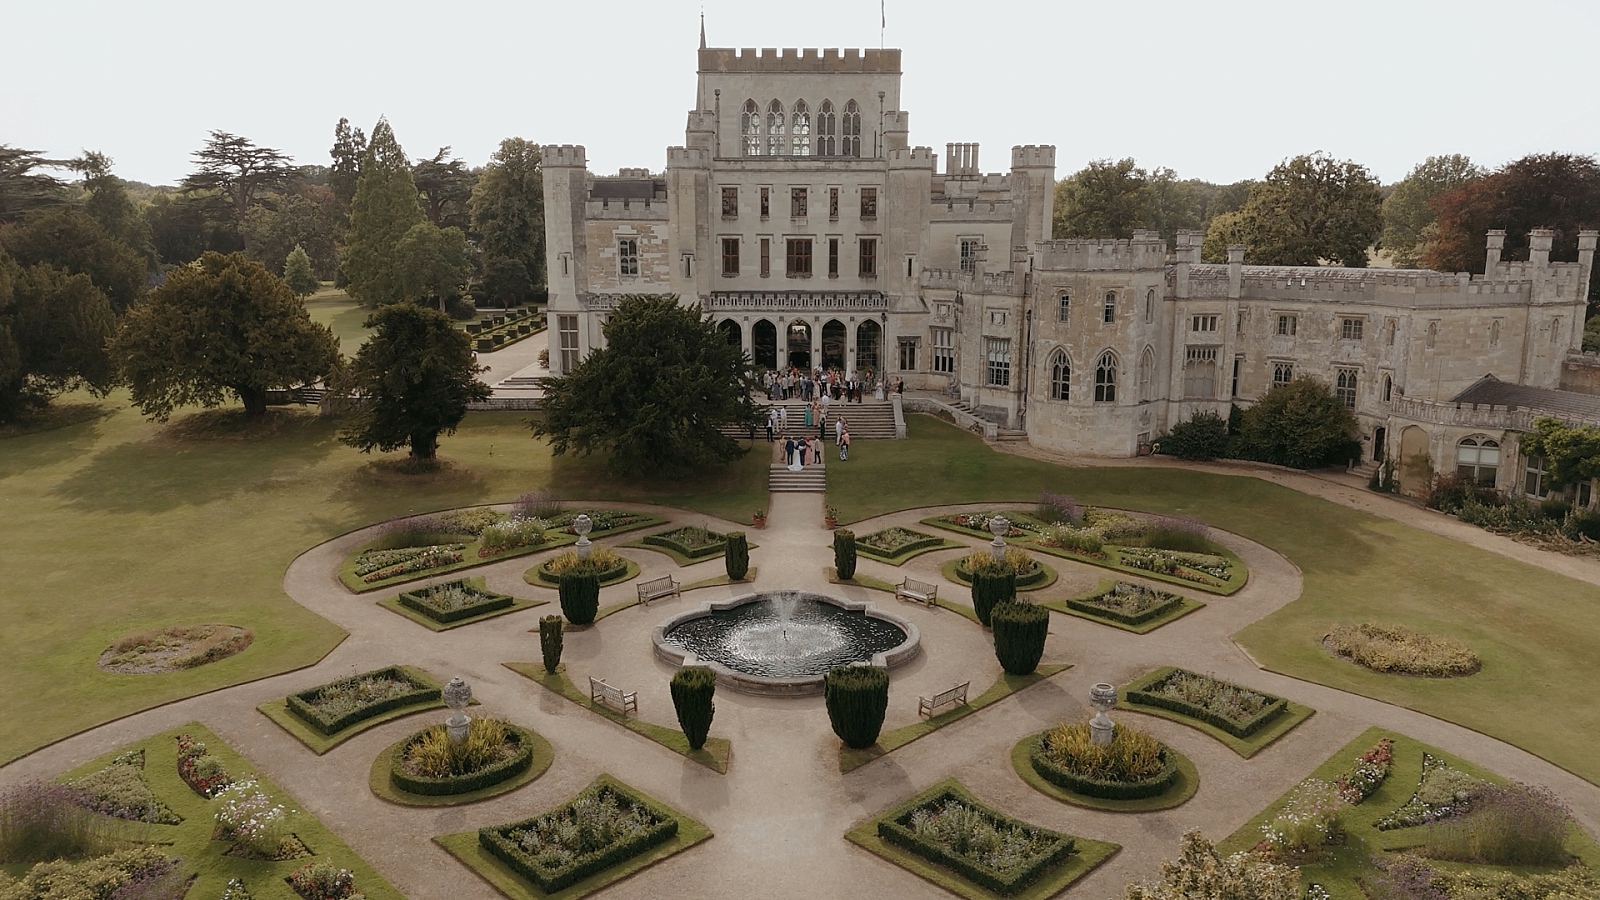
[798, 215]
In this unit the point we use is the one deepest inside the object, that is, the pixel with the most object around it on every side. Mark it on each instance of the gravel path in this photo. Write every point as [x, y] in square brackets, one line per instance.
[780, 812]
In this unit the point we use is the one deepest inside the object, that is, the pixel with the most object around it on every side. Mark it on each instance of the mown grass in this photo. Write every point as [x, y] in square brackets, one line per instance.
[1535, 630]
[116, 525]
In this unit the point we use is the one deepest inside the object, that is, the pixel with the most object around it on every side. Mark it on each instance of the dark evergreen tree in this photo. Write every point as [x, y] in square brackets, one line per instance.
[508, 217]
[1020, 630]
[579, 592]
[693, 689]
[736, 557]
[550, 639]
[844, 553]
[297, 273]
[857, 697]
[386, 206]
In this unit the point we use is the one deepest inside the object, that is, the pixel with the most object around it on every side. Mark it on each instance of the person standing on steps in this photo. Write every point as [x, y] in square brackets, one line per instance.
[816, 451]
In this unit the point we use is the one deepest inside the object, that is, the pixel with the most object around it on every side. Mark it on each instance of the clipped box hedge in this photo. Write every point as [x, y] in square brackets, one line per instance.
[462, 784]
[907, 547]
[490, 602]
[549, 879]
[1038, 574]
[1094, 787]
[893, 828]
[301, 704]
[1104, 612]
[1143, 691]
[714, 548]
[615, 572]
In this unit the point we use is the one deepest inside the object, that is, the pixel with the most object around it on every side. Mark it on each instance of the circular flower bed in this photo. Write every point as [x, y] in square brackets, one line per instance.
[605, 562]
[430, 764]
[1133, 766]
[1399, 650]
[1028, 569]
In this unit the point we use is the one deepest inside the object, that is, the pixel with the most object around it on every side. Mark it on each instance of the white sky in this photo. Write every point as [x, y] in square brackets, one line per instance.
[1215, 89]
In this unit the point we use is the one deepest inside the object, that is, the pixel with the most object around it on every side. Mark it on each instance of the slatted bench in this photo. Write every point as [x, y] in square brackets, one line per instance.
[657, 587]
[622, 701]
[928, 706]
[920, 591]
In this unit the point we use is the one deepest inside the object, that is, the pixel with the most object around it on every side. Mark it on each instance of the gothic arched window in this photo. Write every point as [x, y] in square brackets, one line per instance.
[1147, 374]
[850, 143]
[1478, 460]
[776, 126]
[1105, 378]
[750, 128]
[826, 142]
[1060, 376]
[801, 128]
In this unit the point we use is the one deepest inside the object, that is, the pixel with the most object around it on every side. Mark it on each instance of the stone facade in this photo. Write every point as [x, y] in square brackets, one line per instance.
[798, 215]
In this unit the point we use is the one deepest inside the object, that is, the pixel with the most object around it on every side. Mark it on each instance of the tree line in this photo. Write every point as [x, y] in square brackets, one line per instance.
[1314, 209]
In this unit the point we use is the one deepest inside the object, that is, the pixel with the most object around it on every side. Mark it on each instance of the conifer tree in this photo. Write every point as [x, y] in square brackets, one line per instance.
[297, 273]
[385, 207]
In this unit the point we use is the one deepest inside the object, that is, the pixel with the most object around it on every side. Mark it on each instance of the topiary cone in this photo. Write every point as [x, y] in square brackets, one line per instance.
[736, 557]
[580, 596]
[989, 591]
[1020, 630]
[844, 553]
[857, 698]
[692, 690]
[550, 641]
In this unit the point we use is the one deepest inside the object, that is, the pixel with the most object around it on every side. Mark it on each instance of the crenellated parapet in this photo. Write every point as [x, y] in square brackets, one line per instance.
[1146, 250]
[688, 158]
[748, 59]
[912, 158]
[1033, 156]
[563, 156]
[1002, 283]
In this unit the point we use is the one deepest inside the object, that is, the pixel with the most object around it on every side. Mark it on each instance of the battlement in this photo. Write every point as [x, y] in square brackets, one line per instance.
[1146, 250]
[790, 60]
[688, 158]
[912, 158]
[702, 120]
[1002, 283]
[633, 173]
[566, 155]
[1033, 156]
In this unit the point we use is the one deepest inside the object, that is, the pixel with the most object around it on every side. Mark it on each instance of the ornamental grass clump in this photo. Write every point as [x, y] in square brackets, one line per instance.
[1178, 533]
[251, 820]
[1059, 509]
[1308, 821]
[416, 531]
[42, 821]
[1132, 756]
[1507, 825]
[1074, 540]
[601, 559]
[1401, 650]
[433, 755]
[540, 504]
[511, 534]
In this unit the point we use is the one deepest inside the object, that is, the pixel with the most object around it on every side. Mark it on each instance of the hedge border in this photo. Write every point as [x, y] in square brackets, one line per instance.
[1245, 747]
[892, 828]
[1103, 790]
[660, 539]
[613, 575]
[1085, 605]
[469, 559]
[910, 551]
[503, 771]
[492, 602]
[1038, 581]
[1181, 791]
[427, 690]
[1188, 606]
[1139, 691]
[494, 839]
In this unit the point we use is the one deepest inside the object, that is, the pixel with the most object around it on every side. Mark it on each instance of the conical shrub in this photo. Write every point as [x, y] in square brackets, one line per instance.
[737, 556]
[857, 698]
[580, 596]
[991, 590]
[692, 690]
[550, 641]
[1019, 634]
[844, 553]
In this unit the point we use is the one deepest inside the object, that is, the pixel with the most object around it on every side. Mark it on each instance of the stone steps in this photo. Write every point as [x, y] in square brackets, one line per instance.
[811, 479]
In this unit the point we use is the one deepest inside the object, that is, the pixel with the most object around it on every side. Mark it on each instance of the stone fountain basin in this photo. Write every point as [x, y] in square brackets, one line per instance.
[779, 685]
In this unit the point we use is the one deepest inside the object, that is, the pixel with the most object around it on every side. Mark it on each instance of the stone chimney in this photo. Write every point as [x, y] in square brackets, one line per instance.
[1539, 241]
[1235, 270]
[1497, 243]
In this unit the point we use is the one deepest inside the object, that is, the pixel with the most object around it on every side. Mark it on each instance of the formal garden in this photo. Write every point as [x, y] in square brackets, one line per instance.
[1079, 677]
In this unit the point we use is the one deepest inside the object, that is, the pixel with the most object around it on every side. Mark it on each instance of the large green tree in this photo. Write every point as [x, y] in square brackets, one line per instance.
[53, 331]
[185, 225]
[218, 326]
[508, 216]
[297, 273]
[306, 215]
[1300, 424]
[349, 151]
[108, 202]
[432, 264]
[445, 184]
[25, 186]
[411, 380]
[1560, 191]
[70, 239]
[656, 396]
[386, 206]
[1408, 211]
[1313, 208]
[239, 172]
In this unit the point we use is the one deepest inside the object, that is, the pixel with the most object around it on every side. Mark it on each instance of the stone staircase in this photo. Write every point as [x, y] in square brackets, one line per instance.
[811, 479]
[869, 420]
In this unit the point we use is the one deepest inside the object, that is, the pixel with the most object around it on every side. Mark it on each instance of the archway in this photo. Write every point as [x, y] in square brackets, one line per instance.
[869, 338]
[1416, 471]
[799, 346]
[764, 343]
[833, 337]
[731, 330]
[1379, 437]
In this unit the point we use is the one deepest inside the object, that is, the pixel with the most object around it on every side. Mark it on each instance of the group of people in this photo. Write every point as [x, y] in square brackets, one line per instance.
[800, 450]
[821, 385]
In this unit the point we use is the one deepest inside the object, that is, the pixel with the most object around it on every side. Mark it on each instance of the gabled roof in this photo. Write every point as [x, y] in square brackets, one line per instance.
[1567, 405]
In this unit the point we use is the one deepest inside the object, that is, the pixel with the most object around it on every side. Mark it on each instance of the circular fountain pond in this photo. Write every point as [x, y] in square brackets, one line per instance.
[783, 642]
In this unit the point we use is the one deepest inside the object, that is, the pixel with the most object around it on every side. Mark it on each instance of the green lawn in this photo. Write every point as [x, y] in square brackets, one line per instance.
[1534, 630]
[118, 525]
[334, 308]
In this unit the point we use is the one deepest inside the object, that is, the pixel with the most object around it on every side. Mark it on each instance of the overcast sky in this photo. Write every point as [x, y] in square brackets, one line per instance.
[1214, 89]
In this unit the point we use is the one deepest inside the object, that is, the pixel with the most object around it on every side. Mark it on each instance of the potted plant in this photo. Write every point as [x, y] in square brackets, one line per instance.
[830, 516]
[759, 520]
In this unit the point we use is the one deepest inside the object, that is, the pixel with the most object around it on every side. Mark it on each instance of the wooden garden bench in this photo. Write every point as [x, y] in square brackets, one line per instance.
[657, 587]
[927, 706]
[920, 591]
[623, 701]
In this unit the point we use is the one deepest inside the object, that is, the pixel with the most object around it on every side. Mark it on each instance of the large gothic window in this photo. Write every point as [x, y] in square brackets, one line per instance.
[1060, 376]
[801, 129]
[776, 145]
[1105, 378]
[826, 141]
[1478, 460]
[850, 133]
[1147, 375]
[750, 128]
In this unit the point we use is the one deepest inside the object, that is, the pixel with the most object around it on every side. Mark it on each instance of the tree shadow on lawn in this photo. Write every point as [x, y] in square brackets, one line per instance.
[189, 464]
[368, 492]
[25, 452]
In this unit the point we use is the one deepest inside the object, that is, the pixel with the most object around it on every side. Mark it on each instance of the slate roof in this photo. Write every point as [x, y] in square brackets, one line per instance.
[1568, 405]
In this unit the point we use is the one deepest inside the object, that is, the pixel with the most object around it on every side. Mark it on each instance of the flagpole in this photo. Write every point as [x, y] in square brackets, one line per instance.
[883, 21]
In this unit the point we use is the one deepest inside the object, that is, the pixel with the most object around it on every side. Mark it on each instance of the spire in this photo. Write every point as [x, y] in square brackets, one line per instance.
[702, 29]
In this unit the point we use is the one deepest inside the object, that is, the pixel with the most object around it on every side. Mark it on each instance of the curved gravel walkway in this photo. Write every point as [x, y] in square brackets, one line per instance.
[780, 812]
